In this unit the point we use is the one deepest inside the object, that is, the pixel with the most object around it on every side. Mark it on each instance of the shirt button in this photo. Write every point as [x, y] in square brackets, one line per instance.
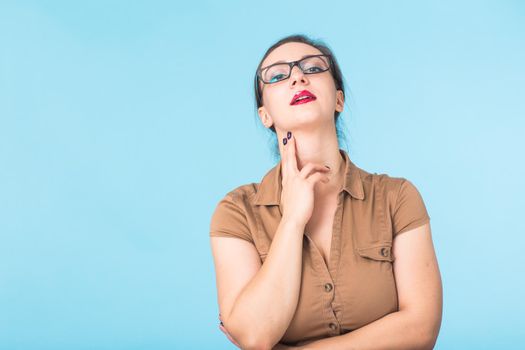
[328, 287]
[384, 251]
[333, 326]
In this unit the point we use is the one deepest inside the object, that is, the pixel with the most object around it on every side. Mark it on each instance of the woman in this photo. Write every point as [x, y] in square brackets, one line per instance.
[324, 255]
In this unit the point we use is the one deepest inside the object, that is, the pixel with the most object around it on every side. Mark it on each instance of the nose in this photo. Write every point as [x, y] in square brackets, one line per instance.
[297, 74]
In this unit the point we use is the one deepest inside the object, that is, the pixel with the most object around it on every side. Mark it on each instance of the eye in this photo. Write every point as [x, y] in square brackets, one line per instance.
[276, 78]
[313, 70]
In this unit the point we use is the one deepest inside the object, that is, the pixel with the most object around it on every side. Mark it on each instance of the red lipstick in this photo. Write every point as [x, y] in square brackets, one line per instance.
[301, 97]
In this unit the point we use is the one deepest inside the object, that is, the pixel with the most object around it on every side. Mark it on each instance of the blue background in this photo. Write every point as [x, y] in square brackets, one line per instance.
[122, 124]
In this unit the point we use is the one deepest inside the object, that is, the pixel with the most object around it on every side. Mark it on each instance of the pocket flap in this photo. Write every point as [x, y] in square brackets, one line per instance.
[377, 252]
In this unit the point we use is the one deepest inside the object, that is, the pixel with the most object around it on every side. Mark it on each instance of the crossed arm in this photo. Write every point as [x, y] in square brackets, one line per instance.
[416, 325]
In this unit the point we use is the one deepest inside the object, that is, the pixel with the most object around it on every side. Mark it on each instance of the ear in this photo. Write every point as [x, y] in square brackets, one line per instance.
[340, 101]
[266, 119]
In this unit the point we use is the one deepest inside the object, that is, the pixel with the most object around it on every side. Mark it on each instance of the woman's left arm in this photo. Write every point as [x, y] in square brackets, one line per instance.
[420, 293]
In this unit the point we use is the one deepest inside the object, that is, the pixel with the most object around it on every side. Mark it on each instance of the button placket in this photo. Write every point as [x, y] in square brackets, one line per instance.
[335, 246]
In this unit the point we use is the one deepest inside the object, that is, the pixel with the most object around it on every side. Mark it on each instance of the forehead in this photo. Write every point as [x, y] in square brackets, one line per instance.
[289, 52]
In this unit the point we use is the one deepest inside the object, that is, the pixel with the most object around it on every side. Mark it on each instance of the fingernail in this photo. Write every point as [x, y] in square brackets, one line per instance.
[222, 324]
[327, 166]
[289, 135]
[285, 140]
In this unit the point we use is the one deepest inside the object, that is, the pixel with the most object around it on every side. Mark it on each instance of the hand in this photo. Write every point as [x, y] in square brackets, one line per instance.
[297, 196]
[221, 327]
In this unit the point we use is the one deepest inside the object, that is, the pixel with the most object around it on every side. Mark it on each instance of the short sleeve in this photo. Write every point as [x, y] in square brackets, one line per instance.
[229, 220]
[410, 210]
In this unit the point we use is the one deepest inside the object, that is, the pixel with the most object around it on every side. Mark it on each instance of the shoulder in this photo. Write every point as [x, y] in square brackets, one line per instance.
[239, 199]
[232, 216]
[391, 191]
[242, 195]
[388, 185]
[400, 198]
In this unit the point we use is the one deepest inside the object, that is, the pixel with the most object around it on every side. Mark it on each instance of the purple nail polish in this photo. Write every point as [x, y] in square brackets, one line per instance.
[289, 135]
[285, 140]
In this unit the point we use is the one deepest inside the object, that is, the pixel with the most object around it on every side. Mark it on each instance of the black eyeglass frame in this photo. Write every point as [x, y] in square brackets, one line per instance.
[293, 64]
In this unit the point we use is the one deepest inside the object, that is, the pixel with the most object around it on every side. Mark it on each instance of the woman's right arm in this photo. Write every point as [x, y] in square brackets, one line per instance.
[265, 306]
[257, 302]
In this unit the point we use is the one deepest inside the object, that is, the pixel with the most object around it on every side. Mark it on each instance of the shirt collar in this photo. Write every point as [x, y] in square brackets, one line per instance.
[270, 187]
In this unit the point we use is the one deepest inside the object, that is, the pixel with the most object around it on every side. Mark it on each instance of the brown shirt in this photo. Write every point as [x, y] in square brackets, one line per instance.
[358, 285]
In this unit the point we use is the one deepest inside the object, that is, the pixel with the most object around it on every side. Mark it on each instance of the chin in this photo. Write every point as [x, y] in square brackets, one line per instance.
[312, 114]
[307, 120]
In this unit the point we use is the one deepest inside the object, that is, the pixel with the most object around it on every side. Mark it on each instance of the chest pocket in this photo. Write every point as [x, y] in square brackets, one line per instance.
[376, 251]
[373, 237]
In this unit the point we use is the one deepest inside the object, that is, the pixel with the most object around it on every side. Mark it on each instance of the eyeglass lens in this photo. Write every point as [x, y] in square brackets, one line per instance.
[309, 65]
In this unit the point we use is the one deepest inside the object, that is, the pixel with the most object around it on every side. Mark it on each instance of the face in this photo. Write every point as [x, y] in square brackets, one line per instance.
[278, 111]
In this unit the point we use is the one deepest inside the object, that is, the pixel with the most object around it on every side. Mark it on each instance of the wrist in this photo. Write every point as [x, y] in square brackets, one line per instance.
[293, 224]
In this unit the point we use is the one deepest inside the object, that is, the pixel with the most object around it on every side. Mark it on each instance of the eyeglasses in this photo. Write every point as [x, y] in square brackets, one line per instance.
[277, 72]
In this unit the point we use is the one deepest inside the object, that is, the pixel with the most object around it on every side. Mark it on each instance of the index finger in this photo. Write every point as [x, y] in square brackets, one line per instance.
[290, 160]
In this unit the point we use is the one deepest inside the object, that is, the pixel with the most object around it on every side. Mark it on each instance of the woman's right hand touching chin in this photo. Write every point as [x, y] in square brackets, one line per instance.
[297, 196]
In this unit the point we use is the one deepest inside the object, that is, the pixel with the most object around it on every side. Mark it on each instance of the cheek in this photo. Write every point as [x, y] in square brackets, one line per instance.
[278, 101]
[327, 92]
[328, 101]
[333, 101]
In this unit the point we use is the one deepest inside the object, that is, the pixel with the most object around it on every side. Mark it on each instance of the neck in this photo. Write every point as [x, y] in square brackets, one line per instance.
[319, 146]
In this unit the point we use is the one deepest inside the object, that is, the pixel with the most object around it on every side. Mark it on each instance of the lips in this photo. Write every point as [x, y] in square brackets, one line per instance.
[302, 97]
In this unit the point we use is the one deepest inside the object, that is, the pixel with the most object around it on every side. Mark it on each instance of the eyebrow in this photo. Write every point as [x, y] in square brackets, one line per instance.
[281, 61]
